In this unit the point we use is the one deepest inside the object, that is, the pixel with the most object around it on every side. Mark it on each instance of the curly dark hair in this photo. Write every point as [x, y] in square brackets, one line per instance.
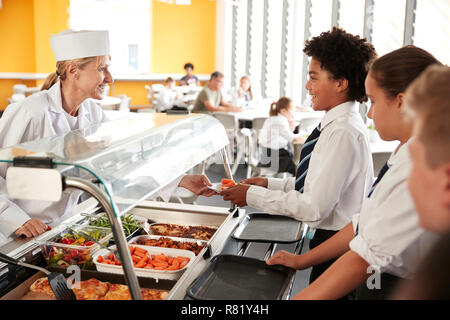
[344, 56]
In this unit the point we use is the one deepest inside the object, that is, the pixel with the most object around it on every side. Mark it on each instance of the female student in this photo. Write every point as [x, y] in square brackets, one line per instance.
[427, 101]
[386, 237]
[243, 96]
[335, 169]
[82, 72]
[276, 134]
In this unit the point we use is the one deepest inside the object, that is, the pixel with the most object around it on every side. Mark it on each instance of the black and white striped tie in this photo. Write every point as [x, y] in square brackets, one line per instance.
[305, 156]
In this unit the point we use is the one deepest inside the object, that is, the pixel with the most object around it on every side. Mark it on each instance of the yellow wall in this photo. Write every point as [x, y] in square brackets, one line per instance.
[184, 34]
[17, 36]
[180, 34]
[50, 17]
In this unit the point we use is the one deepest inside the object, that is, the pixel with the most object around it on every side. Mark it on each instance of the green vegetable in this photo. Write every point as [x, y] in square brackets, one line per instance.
[129, 223]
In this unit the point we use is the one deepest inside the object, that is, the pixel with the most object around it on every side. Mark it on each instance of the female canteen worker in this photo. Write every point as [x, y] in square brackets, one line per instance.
[63, 105]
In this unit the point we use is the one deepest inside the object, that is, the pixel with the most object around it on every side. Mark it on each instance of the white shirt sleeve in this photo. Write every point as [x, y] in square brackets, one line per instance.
[286, 184]
[387, 229]
[12, 216]
[166, 192]
[319, 200]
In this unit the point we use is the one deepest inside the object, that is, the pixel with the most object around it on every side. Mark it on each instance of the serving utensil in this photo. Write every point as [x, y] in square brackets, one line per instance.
[57, 281]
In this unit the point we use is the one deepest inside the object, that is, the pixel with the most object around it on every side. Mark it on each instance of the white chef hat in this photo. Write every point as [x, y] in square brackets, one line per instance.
[70, 44]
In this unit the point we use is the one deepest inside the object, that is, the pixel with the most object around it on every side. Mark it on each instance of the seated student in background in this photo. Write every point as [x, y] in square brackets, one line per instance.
[335, 170]
[242, 96]
[210, 99]
[427, 101]
[167, 97]
[189, 78]
[277, 133]
[386, 237]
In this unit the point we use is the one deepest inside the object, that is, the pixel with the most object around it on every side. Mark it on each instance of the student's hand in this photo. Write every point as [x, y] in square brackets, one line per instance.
[236, 109]
[32, 228]
[198, 184]
[237, 194]
[287, 259]
[256, 181]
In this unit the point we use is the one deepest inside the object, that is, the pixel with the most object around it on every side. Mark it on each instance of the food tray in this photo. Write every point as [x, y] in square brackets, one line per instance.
[231, 277]
[63, 255]
[149, 273]
[264, 227]
[183, 240]
[182, 235]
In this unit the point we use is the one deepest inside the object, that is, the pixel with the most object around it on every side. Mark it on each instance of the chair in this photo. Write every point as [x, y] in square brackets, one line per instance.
[149, 94]
[20, 89]
[157, 88]
[231, 125]
[125, 104]
[16, 97]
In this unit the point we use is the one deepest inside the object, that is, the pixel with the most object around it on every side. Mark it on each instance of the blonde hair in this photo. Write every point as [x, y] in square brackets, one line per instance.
[276, 107]
[250, 87]
[427, 100]
[61, 67]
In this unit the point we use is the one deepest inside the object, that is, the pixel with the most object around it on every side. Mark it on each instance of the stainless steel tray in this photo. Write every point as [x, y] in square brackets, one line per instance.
[156, 237]
[264, 227]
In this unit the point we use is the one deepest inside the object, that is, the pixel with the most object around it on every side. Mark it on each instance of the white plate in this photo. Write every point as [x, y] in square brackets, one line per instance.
[216, 186]
[148, 273]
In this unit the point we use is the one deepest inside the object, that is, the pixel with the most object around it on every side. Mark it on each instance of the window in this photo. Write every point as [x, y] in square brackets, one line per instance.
[432, 30]
[129, 28]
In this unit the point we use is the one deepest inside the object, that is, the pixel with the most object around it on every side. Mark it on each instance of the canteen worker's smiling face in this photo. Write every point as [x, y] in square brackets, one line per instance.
[322, 88]
[94, 77]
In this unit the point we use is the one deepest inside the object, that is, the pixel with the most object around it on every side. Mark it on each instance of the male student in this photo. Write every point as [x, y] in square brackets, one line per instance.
[335, 170]
[428, 103]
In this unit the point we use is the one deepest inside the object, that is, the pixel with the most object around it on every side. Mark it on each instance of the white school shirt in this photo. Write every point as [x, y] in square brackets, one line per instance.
[275, 133]
[166, 99]
[389, 235]
[340, 175]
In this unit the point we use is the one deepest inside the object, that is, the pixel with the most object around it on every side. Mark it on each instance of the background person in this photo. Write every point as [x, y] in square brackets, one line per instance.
[277, 133]
[210, 99]
[189, 78]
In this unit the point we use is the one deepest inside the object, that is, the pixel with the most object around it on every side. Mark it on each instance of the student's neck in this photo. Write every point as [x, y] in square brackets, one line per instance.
[71, 100]
[405, 135]
[336, 103]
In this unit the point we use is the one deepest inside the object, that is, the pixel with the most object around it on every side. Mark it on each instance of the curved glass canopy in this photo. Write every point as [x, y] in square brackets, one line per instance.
[133, 157]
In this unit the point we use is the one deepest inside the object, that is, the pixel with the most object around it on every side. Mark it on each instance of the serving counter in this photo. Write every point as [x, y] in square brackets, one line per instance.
[122, 164]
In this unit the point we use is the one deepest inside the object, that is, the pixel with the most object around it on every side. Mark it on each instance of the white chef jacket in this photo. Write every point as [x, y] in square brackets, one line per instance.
[339, 176]
[40, 115]
[389, 234]
[276, 133]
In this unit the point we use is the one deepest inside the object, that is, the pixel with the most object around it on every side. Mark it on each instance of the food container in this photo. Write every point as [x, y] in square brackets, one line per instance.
[200, 244]
[64, 254]
[148, 273]
[132, 225]
[198, 232]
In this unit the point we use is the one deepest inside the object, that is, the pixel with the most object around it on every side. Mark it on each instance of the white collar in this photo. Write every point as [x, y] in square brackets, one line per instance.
[400, 154]
[338, 111]
[54, 94]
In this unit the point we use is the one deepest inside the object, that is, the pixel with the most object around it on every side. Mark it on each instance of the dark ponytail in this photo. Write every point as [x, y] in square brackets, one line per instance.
[394, 71]
[276, 107]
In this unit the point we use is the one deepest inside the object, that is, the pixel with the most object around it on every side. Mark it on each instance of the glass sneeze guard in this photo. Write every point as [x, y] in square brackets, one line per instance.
[134, 157]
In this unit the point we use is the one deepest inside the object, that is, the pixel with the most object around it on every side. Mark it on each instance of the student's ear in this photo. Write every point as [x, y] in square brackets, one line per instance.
[446, 199]
[400, 99]
[342, 85]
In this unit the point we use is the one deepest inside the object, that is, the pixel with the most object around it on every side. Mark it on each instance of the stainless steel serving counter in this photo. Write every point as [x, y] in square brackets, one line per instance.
[161, 212]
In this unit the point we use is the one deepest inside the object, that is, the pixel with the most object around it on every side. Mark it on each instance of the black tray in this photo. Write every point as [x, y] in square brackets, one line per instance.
[264, 227]
[231, 277]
